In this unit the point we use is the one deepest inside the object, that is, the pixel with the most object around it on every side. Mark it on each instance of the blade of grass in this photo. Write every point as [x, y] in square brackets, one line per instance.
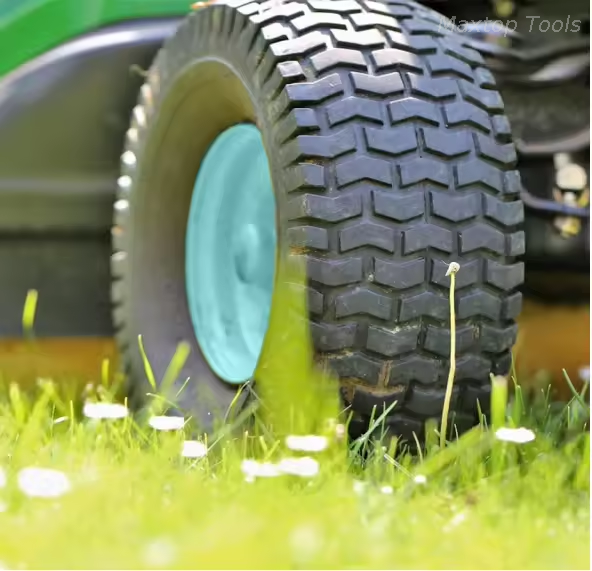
[517, 405]
[29, 312]
[171, 374]
[499, 404]
[105, 373]
[475, 440]
[373, 425]
[574, 391]
[147, 367]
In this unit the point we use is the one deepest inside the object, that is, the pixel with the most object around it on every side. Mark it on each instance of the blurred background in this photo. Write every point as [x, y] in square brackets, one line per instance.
[70, 72]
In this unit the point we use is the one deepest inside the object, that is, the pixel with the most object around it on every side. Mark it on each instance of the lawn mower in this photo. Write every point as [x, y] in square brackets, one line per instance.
[159, 163]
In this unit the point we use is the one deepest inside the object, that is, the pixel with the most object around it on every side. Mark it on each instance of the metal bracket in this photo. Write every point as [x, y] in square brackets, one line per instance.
[571, 189]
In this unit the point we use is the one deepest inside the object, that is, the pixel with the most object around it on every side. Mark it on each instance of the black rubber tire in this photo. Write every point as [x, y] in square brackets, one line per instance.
[390, 157]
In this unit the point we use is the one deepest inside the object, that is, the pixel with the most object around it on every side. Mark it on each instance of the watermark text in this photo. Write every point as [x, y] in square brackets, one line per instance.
[505, 27]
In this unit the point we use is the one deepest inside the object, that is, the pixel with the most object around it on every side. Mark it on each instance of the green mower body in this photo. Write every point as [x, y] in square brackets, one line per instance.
[69, 77]
[30, 28]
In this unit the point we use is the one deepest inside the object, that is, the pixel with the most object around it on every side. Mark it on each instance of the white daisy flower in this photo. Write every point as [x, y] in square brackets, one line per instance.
[304, 467]
[584, 373]
[453, 268]
[253, 469]
[194, 449]
[420, 479]
[103, 410]
[310, 443]
[43, 482]
[167, 422]
[359, 487]
[160, 553]
[516, 435]
[455, 521]
[306, 541]
[386, 490]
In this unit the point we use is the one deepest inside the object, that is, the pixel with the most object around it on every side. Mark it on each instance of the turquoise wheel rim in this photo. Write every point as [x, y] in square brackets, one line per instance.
[230, 253]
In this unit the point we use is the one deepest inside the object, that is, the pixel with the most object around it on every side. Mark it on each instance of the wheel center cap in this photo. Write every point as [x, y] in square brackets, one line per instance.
[230, 253]
[247, 253]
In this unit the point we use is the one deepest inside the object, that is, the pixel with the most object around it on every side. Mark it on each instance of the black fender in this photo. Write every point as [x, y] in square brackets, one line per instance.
[63, 118]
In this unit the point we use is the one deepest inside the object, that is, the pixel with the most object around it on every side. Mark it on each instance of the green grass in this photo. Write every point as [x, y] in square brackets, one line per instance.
[135, 502]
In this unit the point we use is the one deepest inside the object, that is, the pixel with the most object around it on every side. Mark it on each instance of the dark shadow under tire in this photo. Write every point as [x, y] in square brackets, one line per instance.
[390, 158]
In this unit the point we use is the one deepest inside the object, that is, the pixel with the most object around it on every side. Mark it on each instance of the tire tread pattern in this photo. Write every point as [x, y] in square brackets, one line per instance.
[397, 162]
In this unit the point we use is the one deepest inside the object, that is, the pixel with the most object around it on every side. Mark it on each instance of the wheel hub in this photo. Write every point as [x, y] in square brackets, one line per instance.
[230, 253]
[248, 258]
